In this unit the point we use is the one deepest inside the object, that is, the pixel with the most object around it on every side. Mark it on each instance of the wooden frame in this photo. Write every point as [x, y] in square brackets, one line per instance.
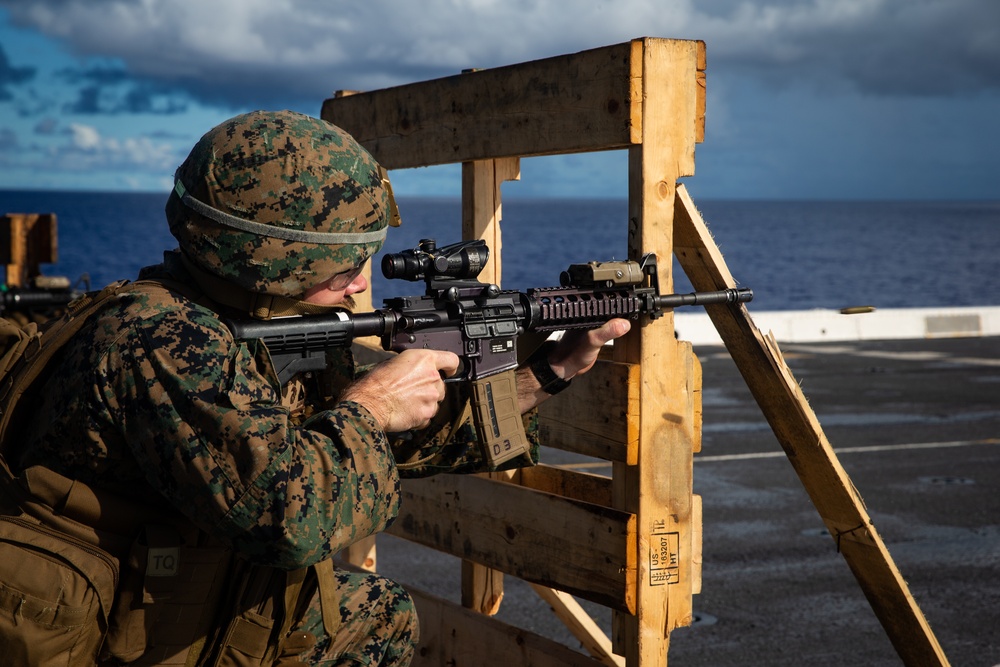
[27, 240]
[645, 96]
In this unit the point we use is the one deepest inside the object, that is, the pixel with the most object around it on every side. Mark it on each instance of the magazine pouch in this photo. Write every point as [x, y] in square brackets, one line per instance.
[148, 578]
[248, 640]
[55, 595]
[167, 598]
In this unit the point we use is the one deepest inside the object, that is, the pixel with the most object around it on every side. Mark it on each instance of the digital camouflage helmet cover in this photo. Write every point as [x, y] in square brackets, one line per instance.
[276, 202]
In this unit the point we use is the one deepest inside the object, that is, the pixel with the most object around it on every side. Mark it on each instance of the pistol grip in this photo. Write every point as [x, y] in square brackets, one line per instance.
[497, 418]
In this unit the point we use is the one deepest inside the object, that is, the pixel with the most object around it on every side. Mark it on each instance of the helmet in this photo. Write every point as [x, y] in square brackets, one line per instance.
[276, 202]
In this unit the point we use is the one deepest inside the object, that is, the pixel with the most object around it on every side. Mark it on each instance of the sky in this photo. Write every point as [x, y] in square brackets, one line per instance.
[817, 99]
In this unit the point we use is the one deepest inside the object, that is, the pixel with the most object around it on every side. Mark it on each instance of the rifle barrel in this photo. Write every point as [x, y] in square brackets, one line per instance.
[735, 295]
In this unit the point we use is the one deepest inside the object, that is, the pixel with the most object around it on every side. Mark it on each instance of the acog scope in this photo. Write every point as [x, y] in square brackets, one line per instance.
[463, 260]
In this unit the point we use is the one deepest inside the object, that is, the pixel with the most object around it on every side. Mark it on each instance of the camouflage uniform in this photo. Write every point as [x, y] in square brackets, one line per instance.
[154, 401]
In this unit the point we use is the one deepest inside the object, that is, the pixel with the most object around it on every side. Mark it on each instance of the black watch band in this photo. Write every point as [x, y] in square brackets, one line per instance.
[538, 362]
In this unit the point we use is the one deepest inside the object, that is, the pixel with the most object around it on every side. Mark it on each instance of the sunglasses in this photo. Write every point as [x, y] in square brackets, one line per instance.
[341, 280]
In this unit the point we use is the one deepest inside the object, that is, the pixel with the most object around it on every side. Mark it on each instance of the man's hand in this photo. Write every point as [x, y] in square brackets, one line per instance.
[574, 355]
[577, 350]
[405, 391]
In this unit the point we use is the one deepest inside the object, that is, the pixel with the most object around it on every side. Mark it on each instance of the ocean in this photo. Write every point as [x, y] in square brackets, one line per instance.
[796, 255]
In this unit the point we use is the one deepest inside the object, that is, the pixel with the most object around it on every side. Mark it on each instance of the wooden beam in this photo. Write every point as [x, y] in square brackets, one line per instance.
[452, 635]
[568, 483]
[659, 488]
[587, 101]
[567, 421]
[482, 587]
[702, 90]
[482, 210]
[574, 546]
[579, 622]
[27, 240]
[362, 554]
[570, 103]
[798, 430]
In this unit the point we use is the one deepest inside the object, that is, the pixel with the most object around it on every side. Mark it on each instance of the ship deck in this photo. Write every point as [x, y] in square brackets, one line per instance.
[915, 423]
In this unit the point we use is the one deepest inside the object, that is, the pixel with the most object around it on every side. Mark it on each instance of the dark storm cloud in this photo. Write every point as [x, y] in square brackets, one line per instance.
[134, 98]
[243, 52]
[12, 76]
[8, 139]
[113, 90]
[916, 47]
[46, 126]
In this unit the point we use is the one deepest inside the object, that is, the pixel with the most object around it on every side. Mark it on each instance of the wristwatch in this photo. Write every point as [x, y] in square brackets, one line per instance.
[538, 362]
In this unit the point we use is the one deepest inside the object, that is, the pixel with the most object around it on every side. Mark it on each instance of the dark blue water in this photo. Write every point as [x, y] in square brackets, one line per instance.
[795, 255]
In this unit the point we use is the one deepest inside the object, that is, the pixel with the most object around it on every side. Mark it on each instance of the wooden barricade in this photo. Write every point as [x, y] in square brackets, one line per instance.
[630, 542]
[26, 241]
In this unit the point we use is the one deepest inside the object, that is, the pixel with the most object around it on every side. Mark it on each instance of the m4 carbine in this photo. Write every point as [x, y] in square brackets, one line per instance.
[477, 321]
[45, 296]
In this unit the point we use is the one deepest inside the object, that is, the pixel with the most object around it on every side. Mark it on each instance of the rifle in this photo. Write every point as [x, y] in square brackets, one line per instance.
[45, 297]
[477, 321]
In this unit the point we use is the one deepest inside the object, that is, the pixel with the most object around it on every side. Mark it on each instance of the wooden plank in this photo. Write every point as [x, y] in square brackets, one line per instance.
[569, 421]
[574, 546]
[695, 401]
[482, 210]
[482, 587]
[697, 554]
[583, 627]
[659, 488]
[798, 430]
[699, 131]
[454, 636]
[362, 554]
[568, 483]
[579, 102]
[27, 240]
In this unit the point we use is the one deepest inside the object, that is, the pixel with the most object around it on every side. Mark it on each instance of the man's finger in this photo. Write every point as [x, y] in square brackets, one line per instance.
[447, 362]
[610, 330]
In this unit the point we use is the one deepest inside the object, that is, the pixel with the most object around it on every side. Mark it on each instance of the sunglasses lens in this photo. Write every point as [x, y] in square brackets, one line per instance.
[345, 278]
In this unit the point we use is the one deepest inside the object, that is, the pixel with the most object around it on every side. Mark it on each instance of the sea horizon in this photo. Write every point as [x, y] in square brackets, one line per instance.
[797, 254]
[535, 197]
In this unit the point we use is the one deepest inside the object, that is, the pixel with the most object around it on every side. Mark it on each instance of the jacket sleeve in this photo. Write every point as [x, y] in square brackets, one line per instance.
[202, 416]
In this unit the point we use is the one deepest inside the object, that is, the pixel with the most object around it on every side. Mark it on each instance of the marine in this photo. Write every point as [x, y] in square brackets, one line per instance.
[222, 495]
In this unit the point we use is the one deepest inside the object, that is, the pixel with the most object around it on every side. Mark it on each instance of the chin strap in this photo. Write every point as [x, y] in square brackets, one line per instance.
[258, 306]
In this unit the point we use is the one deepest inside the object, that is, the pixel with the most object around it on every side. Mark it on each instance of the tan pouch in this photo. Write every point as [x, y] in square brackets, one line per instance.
[55, 595]
[248, 641]
[148, 578]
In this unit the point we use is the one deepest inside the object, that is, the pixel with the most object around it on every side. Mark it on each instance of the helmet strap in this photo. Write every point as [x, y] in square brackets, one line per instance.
[275, 232]
[394, 219]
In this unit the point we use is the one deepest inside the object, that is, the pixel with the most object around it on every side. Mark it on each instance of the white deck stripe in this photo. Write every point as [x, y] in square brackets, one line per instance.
[855, 450]
[838, 450]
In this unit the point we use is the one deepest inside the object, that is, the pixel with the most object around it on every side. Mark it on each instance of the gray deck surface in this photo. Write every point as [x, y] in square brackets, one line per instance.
[916, 425]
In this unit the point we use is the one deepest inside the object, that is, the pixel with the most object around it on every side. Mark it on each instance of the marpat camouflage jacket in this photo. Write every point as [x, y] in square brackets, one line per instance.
[155, 401]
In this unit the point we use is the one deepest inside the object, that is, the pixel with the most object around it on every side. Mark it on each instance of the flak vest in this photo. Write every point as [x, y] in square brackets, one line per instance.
[90, 578]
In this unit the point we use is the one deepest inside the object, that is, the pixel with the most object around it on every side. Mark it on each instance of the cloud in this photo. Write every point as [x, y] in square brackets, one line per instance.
[878, 47]
[241, 53]
[83, 148]
[112, 90]
[134, 98]
[801, 92]
[46, 126]
[85, 137]
[11, 76]
[8, 140]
